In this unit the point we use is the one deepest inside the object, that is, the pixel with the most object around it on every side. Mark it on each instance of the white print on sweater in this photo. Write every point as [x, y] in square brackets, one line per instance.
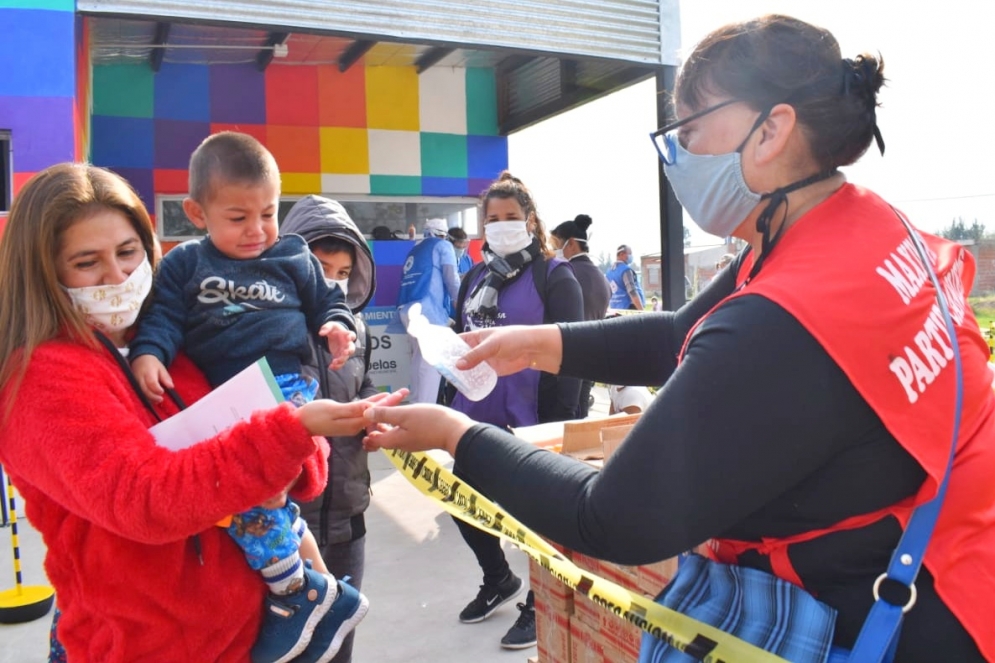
[215, 290]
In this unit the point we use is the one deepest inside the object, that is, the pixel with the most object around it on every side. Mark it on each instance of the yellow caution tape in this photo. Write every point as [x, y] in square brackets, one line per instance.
[697, 639]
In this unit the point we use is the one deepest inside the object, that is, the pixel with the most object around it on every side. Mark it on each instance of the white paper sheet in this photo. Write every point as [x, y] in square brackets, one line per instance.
[251, 390]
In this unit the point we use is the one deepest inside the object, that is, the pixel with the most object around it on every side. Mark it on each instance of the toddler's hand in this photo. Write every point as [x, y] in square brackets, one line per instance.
[152, 377]
[341, 343]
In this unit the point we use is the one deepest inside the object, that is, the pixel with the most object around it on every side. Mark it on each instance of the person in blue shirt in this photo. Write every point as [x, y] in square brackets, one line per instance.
[239, 294]
[429, 278]
[461, 244]
[624, 282]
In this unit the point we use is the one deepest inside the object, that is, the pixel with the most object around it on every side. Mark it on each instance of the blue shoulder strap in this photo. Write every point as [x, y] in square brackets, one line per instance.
[879, 636]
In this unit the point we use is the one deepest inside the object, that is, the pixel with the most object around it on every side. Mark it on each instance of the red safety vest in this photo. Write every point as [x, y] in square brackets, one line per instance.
[848, 271]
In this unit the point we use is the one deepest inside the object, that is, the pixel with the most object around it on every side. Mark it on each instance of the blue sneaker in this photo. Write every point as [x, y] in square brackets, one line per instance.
[289, 621]
[348, 610]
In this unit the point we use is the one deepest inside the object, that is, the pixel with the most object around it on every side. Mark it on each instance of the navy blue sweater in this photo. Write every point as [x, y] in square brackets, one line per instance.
[226, 314]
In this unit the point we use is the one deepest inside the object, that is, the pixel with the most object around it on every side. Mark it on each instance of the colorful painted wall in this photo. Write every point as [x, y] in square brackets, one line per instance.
[378, 130]
[38, 83]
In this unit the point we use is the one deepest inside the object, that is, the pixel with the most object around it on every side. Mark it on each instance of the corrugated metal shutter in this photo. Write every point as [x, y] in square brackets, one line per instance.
[628, 30]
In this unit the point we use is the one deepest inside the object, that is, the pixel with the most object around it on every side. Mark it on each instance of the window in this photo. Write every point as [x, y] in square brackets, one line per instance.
[6, 171]
[653, 275]
[368, 212]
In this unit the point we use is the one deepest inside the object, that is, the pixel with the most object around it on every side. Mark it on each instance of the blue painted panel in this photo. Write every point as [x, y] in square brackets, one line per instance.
[182, 92]
[37, 53]
[443, 186]
[124, 142]
[486, 156]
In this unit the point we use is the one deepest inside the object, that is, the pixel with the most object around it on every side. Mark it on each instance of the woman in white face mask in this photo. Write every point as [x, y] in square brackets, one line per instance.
[570, 238]
[518, 283]
[813, 394]
[76, 259]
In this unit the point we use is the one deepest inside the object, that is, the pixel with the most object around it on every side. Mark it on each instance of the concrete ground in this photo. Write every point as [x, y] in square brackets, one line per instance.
[419, 575]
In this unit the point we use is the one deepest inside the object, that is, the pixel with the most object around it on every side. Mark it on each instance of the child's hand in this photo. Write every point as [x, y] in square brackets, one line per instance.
[152, 377]
[341, 343]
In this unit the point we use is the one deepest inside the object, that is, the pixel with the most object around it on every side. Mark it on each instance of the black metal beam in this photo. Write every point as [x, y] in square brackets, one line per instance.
[431, 57]
[265, 55]
[671, 213]
[356, 50]
[513, 62]
[159, 45]
[575, 97]
[568, 76]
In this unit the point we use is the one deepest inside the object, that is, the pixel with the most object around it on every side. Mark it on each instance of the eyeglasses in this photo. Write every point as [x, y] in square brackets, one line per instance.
[666, 142]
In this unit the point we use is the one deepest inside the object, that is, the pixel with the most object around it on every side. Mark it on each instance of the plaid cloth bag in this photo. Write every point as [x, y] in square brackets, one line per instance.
[754, 606]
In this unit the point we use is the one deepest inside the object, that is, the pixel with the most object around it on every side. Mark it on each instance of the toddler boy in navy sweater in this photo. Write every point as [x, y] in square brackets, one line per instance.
[239, 294]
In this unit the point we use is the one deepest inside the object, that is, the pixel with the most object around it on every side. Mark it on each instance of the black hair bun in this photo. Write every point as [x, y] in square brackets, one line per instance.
[583, 222]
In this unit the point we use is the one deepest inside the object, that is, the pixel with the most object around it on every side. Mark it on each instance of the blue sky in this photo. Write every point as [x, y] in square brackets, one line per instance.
[936, 119]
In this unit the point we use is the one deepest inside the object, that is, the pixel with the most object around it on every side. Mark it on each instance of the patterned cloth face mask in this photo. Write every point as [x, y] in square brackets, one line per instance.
[113, 308]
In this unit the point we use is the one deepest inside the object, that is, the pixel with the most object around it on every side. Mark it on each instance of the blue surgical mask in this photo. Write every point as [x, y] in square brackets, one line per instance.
[711, 188]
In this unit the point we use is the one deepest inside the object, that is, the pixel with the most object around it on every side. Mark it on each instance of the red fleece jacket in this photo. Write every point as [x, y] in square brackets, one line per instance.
[117, 512]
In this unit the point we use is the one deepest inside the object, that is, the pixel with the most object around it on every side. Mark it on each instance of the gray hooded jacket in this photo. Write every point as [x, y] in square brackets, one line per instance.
[337, 516]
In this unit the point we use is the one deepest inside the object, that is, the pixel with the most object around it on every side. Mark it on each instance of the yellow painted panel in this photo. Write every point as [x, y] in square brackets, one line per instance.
[345, 151]
[301, 182]
[392, 98]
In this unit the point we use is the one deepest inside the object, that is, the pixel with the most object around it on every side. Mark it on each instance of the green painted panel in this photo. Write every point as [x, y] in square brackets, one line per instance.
[123, 90]
[481, 102]
[443, 155]
[395, 185]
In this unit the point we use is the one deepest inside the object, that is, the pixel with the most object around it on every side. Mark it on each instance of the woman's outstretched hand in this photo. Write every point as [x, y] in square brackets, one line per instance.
[514, 348]
[329, 418]
[416, 427]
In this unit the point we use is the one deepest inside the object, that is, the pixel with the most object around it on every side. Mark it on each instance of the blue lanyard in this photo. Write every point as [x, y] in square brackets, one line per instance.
[879, 636]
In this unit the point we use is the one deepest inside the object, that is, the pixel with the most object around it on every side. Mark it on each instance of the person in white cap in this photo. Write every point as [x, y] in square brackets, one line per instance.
[429, 278]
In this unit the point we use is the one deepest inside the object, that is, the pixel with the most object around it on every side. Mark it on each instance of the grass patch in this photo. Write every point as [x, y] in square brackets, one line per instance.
[984, 310]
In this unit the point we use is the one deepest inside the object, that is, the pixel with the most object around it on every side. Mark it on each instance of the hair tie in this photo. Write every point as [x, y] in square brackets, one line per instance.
[852, 76]
[857, 76]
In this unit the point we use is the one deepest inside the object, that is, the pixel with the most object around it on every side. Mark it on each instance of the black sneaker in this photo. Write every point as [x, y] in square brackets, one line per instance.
[490, 598]
[523, 634]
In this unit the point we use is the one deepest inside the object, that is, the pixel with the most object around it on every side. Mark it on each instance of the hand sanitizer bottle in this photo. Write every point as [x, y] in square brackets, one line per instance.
[441, 347]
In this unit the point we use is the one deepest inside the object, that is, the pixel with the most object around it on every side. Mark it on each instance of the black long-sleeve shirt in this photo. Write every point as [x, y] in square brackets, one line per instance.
[758, 433]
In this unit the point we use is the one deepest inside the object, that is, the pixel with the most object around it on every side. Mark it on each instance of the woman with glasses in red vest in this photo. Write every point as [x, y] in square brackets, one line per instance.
[808, 392]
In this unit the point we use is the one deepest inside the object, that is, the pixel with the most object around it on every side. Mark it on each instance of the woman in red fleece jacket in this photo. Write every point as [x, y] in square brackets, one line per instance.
[118, 513]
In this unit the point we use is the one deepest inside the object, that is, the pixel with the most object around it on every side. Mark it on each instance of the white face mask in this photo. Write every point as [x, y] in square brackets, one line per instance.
[344, 284]
[507, 237]
[113, 308]
[559, 251]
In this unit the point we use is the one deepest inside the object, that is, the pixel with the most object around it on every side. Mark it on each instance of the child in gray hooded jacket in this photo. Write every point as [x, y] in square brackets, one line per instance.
[337, 516]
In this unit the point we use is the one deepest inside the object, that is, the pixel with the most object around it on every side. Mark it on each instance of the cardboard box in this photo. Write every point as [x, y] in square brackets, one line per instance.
[551, 591]
[587, 645]
[552, 634]
[612, 437]
[580, 438]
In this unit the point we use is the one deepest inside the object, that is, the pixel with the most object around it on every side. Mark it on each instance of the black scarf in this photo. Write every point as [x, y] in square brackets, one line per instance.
[482, 304]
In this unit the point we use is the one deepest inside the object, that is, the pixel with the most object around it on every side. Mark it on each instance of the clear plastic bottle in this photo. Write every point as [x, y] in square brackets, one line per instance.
[441, 347]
